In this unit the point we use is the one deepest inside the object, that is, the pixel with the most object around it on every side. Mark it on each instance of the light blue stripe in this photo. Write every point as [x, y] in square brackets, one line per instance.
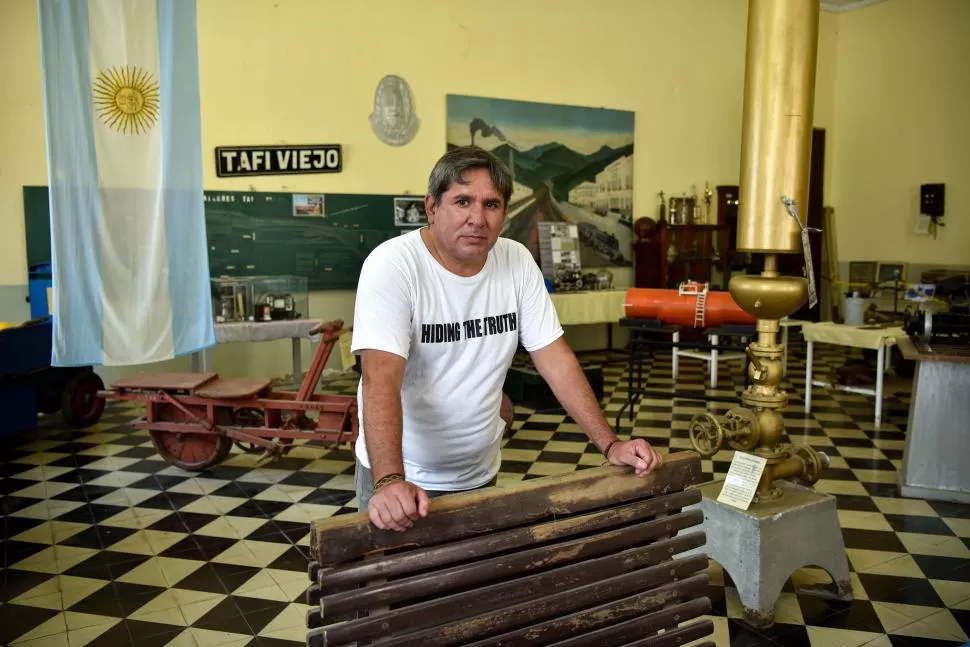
[73, 180]
[188, 264]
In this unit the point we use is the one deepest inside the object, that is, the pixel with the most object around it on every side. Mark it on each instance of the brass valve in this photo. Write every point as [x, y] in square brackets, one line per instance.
[740, 429]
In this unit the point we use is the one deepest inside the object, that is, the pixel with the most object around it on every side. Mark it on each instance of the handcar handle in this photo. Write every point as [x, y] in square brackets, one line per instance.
[327, 326]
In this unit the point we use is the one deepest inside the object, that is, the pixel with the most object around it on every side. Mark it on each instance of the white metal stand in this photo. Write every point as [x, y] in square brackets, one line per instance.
[712, 357]
[882, 363]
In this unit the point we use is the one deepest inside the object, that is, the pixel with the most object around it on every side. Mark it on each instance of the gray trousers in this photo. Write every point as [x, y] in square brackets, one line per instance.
[364, 485]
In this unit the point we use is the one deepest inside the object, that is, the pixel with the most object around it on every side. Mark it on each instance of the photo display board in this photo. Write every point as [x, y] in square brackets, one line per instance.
[323, 237]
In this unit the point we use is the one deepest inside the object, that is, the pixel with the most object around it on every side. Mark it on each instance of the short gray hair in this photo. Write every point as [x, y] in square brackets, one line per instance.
[453, 164]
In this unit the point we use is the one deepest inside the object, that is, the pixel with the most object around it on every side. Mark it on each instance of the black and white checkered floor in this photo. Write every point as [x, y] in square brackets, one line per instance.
[105, 544]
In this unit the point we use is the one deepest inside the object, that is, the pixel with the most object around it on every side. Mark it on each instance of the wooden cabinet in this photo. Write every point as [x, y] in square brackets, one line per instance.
[666, 255]
[695, 253]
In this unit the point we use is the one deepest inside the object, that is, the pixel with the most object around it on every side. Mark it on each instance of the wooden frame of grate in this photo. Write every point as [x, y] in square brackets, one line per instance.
[584, 558]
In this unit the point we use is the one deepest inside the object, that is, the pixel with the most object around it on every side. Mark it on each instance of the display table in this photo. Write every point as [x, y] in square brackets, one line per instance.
[785, 325]
[936, 463]
[873, 337]
[590, 307]
[249, 331]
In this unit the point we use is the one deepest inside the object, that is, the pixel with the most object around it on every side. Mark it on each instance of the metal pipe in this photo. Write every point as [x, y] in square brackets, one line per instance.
[776, 131]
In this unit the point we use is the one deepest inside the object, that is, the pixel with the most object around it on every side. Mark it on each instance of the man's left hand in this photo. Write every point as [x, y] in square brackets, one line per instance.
[637, 453]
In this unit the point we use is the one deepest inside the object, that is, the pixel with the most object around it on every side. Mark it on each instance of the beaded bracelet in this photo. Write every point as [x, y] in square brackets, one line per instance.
[606, 452]
[390, 478]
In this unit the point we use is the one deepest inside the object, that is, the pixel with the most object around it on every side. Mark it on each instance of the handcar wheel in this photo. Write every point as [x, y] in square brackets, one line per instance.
[49, 396]
[248, 418]
[190, 451]
[80, 404]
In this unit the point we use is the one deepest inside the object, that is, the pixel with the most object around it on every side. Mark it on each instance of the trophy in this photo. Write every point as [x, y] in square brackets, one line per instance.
[681, 210]
[695, 216]
[708, 195]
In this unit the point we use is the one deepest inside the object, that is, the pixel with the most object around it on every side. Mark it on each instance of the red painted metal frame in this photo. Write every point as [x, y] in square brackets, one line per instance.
[337, 414]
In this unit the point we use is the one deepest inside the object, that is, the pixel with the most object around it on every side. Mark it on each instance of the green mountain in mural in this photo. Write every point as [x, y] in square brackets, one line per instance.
[558, 165]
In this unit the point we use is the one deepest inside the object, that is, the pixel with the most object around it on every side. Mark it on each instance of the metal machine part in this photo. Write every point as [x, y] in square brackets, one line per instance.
[776, 130]
[779, 94]
[275, 307]
[941, 332]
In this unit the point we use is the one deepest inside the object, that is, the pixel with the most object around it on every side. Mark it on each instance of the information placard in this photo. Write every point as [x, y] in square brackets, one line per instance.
[742, 479]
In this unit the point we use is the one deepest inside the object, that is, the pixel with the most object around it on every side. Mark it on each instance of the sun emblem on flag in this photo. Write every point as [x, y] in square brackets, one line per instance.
[126, 99]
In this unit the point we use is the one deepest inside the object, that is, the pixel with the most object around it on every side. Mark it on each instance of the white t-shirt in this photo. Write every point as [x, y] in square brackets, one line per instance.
[458, 335]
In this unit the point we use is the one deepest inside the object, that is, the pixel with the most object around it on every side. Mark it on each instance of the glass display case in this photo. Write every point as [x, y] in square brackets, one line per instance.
[232, 299]
[280, 297]
[259, 298]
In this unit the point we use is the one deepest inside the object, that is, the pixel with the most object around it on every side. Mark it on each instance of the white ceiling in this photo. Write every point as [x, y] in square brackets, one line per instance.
[845, 5]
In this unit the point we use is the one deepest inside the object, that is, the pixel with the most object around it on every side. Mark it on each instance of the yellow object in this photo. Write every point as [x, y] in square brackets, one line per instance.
[597, 307]
[828, 332]
[6, 324]
[776, 146]
[347, 359]
[776, 131]
[50, 299]
[768, 297]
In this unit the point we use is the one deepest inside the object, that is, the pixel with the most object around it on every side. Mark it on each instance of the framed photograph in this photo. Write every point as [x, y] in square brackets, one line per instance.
[308, 205]
[409, 212]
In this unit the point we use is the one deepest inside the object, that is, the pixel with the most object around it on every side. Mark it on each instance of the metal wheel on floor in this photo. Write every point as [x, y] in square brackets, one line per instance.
[80, 405]
[191, 451]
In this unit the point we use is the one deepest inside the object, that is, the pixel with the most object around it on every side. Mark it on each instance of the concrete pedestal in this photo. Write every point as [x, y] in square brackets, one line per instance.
[762, 546]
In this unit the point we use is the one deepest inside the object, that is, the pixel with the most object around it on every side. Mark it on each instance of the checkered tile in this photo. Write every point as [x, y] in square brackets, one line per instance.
[104, 544]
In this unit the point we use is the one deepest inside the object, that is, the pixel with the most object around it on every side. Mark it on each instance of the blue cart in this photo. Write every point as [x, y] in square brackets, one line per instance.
[30, 385]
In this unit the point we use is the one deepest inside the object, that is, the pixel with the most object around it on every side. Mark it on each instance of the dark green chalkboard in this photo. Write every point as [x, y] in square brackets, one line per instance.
[253, 233]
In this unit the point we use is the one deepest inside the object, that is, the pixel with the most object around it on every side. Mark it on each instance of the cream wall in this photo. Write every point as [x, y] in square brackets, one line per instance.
[299, 71]
[901, 119]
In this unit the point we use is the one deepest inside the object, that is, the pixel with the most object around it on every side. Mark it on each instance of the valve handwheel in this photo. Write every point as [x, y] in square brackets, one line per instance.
[706, 434]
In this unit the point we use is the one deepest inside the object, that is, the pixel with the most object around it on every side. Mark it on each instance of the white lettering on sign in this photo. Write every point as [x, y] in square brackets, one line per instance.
[267, 160]
[229, 157]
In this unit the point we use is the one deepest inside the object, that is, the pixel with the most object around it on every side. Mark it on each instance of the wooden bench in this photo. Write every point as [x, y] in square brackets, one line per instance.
[585, 558]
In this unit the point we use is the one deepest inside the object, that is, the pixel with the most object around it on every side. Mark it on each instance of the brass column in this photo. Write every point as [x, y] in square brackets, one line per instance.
[776, 139]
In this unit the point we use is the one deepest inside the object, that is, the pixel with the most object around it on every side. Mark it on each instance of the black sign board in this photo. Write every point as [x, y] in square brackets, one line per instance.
[239, 161]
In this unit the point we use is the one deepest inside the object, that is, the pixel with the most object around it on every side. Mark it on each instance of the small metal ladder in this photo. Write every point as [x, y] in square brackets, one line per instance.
[699, 308]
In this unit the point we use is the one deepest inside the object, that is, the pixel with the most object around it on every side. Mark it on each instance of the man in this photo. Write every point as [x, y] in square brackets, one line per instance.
[440, 312]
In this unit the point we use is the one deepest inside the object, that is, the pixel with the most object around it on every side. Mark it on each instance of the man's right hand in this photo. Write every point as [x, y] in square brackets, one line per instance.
[397, 505]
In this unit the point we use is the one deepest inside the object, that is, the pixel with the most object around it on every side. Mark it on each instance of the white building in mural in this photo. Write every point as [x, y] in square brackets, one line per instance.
[583, 195]
[519, 192]
[614, 187]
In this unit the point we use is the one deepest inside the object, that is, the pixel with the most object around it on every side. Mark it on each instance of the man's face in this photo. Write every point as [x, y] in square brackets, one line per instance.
[468, 219]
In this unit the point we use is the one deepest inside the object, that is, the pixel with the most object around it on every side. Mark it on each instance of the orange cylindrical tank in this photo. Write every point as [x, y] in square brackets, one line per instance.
[671, 307]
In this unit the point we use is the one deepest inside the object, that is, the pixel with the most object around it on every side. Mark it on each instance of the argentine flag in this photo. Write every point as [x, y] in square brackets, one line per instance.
[124, 164]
